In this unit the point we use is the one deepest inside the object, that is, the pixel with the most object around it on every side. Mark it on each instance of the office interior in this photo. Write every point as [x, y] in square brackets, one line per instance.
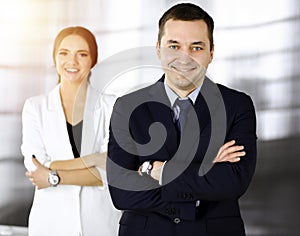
[257, 51]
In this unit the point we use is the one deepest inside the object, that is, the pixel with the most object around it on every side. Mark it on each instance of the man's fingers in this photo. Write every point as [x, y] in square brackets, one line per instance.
[234, 155]
[233, 160]
[230, 150]
[231, 157]
[226, 145]
[230, 153]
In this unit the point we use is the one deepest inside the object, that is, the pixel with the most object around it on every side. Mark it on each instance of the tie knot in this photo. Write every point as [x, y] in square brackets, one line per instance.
[183, 104]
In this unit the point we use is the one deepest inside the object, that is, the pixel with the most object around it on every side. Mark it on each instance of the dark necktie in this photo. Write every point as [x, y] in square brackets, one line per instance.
[184, 106]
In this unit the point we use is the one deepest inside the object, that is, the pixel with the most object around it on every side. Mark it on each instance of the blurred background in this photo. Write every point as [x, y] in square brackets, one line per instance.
[257, 51]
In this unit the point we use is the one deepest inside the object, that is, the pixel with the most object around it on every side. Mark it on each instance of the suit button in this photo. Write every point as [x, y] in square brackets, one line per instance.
[176, 220]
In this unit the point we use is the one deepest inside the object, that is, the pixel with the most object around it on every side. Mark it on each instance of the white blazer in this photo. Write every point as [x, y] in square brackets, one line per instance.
[68, 210]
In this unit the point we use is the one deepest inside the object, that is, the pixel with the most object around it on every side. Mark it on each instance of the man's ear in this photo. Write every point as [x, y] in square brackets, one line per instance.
[158, 49]
[212, 53]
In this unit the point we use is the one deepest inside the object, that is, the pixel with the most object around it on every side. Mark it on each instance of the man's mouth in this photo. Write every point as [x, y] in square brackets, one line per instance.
[183, 69]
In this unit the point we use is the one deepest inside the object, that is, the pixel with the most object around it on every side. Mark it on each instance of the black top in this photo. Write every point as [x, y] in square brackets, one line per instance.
[75, 135]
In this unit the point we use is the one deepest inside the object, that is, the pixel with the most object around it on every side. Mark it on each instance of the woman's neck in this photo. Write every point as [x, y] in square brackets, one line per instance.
[71, 90]
[73, 98]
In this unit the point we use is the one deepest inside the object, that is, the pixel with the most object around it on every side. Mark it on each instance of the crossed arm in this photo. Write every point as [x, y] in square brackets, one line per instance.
[228, 178]
[227, 153]
[79, 171]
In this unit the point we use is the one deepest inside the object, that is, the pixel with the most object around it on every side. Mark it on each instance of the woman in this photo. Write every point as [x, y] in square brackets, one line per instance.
[64, 133]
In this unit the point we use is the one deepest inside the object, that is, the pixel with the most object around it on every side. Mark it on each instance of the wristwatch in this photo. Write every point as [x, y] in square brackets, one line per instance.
[147, 167]
[53, 178]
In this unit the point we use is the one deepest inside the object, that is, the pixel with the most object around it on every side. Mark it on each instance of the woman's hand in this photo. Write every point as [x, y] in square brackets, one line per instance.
[230, 153]
[39, 177]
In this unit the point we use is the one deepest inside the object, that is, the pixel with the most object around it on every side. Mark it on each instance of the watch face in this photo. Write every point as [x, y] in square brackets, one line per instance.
[145, 166]
[53, 179]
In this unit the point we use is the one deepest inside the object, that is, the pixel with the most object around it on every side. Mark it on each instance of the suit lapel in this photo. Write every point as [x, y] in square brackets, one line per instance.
[207, 102]
[202, 111]
[161, 111]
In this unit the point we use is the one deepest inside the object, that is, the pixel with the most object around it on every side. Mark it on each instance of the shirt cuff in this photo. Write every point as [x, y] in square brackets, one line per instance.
[161, 173]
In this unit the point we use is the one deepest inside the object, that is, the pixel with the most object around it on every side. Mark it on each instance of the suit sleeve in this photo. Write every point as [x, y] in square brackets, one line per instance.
[224, 180]
[32, 142]
[129, 190]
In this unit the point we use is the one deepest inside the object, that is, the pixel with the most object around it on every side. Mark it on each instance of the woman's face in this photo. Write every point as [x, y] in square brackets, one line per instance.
[73, 59]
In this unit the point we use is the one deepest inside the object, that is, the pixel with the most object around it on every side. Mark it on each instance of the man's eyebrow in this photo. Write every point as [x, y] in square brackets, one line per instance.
[172, 41]
[199, 43]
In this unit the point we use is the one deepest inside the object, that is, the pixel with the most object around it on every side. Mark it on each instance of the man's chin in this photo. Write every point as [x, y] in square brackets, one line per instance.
[184, 79]
[184, 84]
[187, 83]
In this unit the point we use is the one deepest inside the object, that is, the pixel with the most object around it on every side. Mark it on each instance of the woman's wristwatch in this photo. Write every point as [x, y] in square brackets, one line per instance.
[53, 178]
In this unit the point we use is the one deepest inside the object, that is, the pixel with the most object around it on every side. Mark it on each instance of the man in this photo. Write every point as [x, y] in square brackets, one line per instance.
[161, 152]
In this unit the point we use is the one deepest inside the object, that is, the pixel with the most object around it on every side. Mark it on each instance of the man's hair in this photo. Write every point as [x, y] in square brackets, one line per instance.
[187, 12]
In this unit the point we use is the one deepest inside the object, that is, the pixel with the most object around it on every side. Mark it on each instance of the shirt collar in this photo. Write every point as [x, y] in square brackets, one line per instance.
[173, 96]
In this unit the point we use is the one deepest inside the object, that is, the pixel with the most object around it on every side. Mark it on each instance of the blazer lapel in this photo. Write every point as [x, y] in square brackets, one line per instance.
[88, 140]
[208, 102]
[57, 122]
[162, 112]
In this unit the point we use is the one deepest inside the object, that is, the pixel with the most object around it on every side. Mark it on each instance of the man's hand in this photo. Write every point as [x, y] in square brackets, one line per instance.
[39, 177]
[157, 169]
[230, 153]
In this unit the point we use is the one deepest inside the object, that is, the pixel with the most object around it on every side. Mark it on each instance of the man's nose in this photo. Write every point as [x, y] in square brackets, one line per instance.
[184, 55]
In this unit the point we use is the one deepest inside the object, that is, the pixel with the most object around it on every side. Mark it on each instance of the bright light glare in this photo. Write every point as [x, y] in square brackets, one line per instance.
[19, 22]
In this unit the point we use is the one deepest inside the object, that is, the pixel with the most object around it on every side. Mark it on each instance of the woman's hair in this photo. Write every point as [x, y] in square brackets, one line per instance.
[82, 32]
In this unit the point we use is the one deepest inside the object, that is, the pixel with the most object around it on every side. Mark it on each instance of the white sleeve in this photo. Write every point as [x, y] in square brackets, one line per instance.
[106, 106]
[106, 103]
[32, 142]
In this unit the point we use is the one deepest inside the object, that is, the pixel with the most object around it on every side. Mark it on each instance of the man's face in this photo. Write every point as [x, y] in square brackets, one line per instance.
[184, 51]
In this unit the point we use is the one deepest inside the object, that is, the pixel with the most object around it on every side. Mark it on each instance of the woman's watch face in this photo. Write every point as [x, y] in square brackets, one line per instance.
[53, 178]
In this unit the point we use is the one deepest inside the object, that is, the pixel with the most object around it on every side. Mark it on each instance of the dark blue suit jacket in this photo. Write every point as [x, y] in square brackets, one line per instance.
[171, 209]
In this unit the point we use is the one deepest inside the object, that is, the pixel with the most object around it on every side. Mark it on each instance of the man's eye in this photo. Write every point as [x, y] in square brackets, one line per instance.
[175, 47]
[197, 48]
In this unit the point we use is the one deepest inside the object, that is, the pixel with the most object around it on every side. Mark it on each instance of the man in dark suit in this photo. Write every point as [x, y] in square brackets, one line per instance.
[164, 169]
